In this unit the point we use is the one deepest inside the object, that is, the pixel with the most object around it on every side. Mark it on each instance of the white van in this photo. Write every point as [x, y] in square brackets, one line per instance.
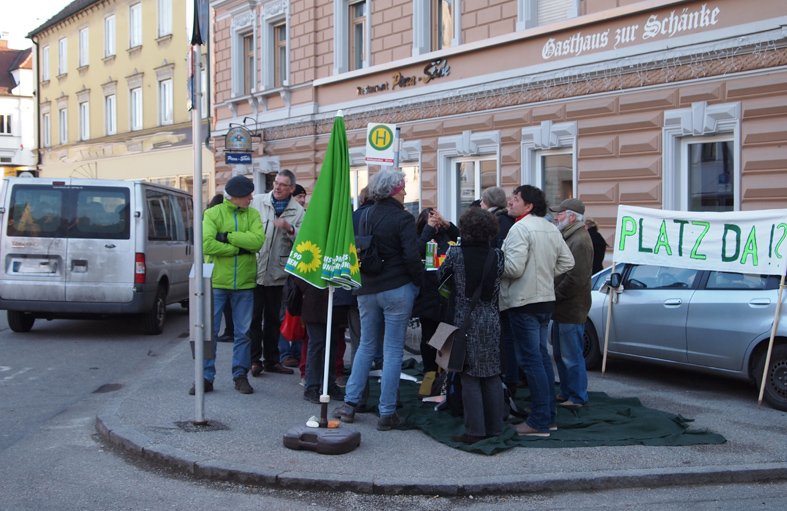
[76, 248]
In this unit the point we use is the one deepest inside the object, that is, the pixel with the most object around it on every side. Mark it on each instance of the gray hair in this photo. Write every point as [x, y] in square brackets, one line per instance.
[579, 216]
[384, 183]
[288, 174]
[494, 196]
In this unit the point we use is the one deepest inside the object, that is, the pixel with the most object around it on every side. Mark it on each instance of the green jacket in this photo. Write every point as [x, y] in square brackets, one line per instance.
[230, 270]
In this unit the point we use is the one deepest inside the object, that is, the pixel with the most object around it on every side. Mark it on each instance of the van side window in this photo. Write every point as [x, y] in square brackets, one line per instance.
[36, 212]
[184, 208]
[101, 213]
[161, 220]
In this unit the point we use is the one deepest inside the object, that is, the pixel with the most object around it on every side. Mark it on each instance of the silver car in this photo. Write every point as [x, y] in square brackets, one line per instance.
[709, 321]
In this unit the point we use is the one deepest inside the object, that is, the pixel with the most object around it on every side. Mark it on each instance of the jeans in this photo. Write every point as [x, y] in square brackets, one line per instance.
[289, 349]
[390, 309]
[242, 302]
[567, 344]
[529, 334]
[509, 369]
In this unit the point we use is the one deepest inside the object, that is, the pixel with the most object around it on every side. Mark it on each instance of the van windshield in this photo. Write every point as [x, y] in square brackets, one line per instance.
[69, 212]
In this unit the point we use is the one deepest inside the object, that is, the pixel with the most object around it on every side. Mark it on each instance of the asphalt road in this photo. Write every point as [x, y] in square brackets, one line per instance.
[54, 379]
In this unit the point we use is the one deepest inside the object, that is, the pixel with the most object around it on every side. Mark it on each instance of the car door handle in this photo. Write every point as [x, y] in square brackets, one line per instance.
[760, 302]
[109, 245]
[673, 302]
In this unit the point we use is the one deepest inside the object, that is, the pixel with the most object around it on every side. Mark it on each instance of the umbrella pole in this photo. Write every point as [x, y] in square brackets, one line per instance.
[325, 398]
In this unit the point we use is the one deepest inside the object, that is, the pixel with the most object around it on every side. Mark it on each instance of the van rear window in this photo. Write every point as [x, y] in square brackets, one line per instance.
[69, 212]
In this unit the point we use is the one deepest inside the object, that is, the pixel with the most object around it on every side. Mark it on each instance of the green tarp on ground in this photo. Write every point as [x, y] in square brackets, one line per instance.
[604, 421]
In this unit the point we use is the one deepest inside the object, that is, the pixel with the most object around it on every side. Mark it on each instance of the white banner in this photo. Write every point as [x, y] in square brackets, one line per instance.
[740, 241]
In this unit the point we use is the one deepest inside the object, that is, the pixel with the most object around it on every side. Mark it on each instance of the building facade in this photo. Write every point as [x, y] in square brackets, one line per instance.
[113, 90]
[17, 111]
[658, 103]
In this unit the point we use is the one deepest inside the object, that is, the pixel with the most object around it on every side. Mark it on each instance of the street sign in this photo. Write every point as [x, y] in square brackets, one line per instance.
[238, 158]
[380, 145]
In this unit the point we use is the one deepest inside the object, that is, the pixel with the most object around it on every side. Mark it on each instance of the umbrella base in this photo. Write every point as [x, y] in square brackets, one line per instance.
[322, 440]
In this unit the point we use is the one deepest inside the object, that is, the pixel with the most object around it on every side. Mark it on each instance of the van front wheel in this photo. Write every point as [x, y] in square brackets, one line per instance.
[20, 321]
[154, 319]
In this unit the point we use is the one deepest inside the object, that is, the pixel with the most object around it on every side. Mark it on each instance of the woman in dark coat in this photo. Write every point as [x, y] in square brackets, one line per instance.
[385, 299]
[599, 245]
[430, 225]
[482, 390]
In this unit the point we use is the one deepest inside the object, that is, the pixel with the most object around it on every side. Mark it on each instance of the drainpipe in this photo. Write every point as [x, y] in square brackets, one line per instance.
[38, 108]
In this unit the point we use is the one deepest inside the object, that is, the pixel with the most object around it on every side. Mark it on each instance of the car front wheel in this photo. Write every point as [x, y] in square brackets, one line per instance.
[776, 377]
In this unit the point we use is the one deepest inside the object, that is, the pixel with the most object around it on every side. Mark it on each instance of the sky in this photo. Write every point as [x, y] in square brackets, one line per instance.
[19, 17]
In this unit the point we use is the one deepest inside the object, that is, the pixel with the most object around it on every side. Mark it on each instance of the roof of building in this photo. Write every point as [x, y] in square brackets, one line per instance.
[11, 60]
[65, 13]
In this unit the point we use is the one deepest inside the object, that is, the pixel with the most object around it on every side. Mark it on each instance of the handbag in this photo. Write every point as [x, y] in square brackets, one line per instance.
[368, 258]
[449, 340]
[292, 327]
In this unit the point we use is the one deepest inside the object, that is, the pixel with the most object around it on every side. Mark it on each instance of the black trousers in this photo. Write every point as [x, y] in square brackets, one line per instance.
[265, 323]
[428, 353]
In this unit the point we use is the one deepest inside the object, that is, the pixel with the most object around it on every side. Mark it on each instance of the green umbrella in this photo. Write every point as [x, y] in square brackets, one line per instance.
[324, 251]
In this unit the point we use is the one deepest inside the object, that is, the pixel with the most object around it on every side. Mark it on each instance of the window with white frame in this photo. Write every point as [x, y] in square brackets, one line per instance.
[275, 41]
[549, 159]
[84, 48]
[701, 158]
[135, 108]
[62, 56]
[5, 124]
[164, 17]
[279, 54]
[109, 36]
[243, 54]
[536, 13]
[437, 24]
[63, 125]
[467, 164]
[247, 63]
[352, 20]
[46, 129]
[442, 23]
[357, 43]
[165, 101]
[135, 25]
[556, 175]
[84, 121]
[110, 114]
[45, 63]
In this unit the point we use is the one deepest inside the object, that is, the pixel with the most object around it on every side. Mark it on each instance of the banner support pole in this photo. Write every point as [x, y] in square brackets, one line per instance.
[611, 297]
[776, 315]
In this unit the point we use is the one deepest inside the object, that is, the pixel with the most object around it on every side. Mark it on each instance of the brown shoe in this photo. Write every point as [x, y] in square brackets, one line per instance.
[290, 362]
[256, 369]
[277, 368]
[242, 385]
[467, 439]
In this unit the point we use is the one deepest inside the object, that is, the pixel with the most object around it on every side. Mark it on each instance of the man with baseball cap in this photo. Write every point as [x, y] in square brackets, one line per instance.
[572, 303]
[231, 237]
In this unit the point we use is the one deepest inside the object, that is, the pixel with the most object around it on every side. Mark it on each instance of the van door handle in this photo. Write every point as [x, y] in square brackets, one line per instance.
[759, 302]
[109, 245]
[673, 302]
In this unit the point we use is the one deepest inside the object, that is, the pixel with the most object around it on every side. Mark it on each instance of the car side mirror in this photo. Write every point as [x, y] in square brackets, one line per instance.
[614, 280]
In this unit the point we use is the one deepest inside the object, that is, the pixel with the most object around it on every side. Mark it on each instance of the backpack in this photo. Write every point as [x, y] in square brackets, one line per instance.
[368, 258]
